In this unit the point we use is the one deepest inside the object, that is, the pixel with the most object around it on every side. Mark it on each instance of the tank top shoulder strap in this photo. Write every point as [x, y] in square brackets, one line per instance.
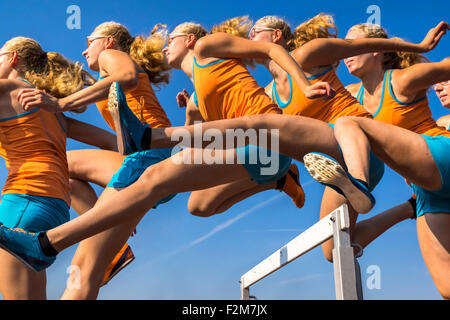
[30, 112]
[360, 95]
[321, 74]
[383, 93]
[391, 92]
[276, 97]
[26, 81]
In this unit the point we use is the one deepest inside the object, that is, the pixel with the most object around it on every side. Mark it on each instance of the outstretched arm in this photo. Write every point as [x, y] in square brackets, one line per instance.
[413, 80]
[90, 134]
[324, 51]
[116, 64]
[222, 45]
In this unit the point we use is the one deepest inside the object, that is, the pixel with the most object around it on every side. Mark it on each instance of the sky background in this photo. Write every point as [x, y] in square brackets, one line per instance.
[179, 256]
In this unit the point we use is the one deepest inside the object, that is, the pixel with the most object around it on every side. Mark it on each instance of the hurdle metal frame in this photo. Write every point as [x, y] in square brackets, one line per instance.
[347, 274]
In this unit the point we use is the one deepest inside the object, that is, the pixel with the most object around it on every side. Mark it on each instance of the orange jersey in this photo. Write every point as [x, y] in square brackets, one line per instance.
[414, 116]
[225, 90]
[343, 104]
[144, 104]
[33, 145]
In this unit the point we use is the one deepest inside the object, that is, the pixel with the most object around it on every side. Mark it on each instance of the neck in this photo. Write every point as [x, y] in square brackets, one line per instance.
[373, 79]
[186, 65]
[14, 75]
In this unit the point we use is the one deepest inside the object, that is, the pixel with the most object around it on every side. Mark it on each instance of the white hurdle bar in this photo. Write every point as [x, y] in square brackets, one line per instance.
[347, 275]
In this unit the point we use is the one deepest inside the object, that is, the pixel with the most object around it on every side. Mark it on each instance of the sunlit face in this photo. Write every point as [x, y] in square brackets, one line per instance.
[443, 92]
[362, 64]
[176, 49]
[261, 32]
[5, 68]
[96, 44]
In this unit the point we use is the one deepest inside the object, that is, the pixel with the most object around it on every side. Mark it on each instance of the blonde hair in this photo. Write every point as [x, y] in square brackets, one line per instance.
[49, 71]
[392, 60]
[238, 26]
[191, 28]
[320, 26]
[278, 23]
[146, 52]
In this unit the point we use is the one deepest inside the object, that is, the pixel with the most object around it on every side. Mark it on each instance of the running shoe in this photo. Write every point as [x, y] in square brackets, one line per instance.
[129, 129]
[329, 172]
[290, 184]
[24, 246]
[120, 261]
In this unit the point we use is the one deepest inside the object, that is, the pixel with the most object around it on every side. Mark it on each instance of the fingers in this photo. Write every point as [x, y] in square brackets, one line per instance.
[29, 98]
[182, 98]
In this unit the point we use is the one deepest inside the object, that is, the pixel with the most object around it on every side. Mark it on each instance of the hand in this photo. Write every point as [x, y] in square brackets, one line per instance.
[183, 98]
[34, 98]
[320, 90]
[434, 36]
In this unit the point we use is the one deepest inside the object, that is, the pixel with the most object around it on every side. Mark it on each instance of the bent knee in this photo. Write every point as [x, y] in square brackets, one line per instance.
[200, 211]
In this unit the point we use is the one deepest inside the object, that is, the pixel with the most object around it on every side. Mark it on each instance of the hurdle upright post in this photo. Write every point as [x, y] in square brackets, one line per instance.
[347, 275]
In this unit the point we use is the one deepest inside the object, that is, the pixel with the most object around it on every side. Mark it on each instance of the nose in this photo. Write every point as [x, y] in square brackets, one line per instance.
[85, 53]
[165, 49]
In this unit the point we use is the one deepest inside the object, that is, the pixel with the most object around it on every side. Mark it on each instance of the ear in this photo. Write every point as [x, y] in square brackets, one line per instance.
[277, 35]
[14, 60]
[190, 41]
[110, 42]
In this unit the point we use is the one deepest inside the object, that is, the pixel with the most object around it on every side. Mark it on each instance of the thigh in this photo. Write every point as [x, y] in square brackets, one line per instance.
[208, 200]
[404, 151]
[18, 282]
[93, 165]
[434, 241]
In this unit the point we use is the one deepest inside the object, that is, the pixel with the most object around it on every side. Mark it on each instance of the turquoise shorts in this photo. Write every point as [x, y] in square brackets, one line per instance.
[134, 166]
[263, 165]
[33, 213]
[376, 170]
[436, 201]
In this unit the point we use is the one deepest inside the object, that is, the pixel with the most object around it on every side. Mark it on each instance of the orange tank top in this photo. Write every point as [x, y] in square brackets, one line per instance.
[225, 90]
[343, 104]
[414, 116]
[33, 145]
[144, 104]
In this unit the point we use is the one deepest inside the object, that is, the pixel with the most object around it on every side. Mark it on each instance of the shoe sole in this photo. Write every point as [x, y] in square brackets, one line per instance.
[112, 275]
[326, 171]
[113, 106]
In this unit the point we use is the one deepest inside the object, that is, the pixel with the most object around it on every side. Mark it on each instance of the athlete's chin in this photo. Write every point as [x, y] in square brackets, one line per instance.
[445, 102]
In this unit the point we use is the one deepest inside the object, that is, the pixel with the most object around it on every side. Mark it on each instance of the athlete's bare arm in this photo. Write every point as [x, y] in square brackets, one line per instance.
[222, 45]
[91, 135]
[325, 51]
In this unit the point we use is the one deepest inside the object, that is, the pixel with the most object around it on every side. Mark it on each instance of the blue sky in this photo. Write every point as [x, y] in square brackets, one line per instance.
[179, 256]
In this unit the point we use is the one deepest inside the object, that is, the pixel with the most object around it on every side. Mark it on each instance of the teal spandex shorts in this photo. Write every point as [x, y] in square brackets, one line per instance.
[134, 166]
[33, 213]
[436, 201]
